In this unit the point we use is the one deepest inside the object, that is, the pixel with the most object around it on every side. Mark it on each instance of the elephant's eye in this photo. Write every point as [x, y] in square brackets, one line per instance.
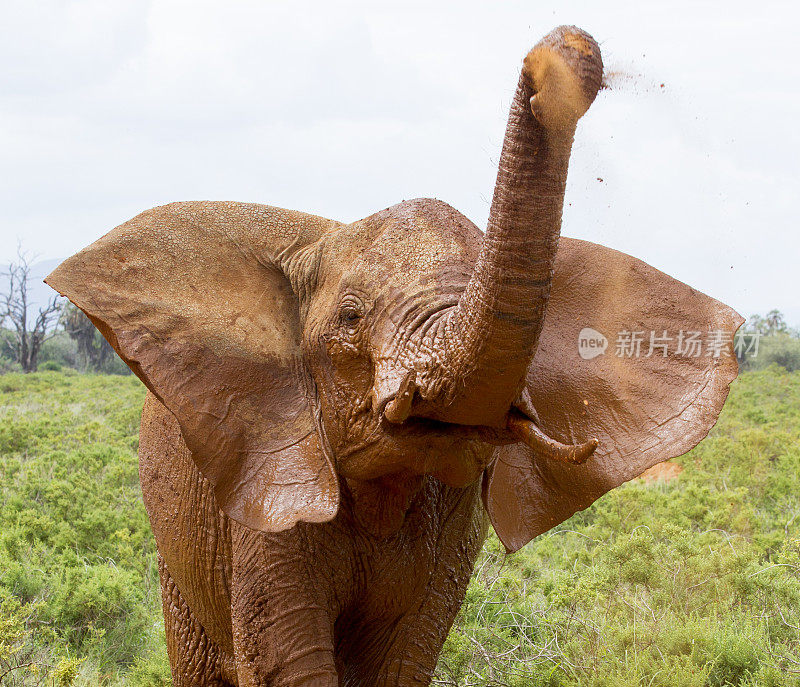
[350, 316]
[350, 312]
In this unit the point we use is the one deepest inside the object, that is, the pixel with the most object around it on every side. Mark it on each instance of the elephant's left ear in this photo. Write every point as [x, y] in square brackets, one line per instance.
[193, 297]
[628, 356]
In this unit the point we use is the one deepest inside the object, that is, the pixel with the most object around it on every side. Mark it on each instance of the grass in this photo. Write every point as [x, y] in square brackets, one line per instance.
[691, 582]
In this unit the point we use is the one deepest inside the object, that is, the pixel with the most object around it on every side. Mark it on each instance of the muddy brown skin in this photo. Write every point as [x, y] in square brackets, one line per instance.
[338, 411]
[318, 604]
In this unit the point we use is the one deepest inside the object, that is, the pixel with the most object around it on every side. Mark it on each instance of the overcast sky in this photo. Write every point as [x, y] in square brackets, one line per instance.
[341, 109]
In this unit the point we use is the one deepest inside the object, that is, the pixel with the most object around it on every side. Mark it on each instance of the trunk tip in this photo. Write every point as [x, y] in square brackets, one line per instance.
[565, 72]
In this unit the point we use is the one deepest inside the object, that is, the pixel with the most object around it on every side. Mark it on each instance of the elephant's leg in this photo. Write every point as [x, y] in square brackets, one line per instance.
[400, 650]
[195, 660]
[417, 638]
[282, 625]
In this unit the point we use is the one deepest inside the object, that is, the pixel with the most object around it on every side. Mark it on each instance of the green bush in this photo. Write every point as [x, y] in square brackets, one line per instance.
[150, 671]
[57, 353]
[695, 582]
[77, 561]
[768, 340]
[780, 349]
[7, 365]
[59, 349]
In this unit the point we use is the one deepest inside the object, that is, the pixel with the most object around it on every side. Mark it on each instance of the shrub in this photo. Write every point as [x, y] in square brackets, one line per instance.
[691, 583]
[76, 554]
[59, 349]
[695, 582]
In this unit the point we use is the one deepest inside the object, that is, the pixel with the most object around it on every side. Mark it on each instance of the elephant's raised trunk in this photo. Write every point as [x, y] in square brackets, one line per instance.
[489, 339]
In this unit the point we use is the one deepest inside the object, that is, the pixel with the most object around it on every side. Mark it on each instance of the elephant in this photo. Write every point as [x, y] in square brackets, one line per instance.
[337, 412]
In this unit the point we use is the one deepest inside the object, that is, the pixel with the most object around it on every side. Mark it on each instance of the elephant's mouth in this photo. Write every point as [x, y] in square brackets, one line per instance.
[518, 428]
[403, 412]
[426, 427]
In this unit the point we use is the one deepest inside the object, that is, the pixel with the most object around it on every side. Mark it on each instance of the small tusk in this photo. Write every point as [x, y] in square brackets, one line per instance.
[529, 433]
[399, 408]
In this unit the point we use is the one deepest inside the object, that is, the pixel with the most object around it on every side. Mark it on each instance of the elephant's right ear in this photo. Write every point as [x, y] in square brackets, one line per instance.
[194, 300]
[644, 402]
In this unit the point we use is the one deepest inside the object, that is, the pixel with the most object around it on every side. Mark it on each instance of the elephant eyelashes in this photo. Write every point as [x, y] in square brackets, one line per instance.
[350, 312]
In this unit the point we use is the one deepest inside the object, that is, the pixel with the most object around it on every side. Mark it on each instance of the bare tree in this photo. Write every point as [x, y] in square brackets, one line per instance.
[28, 330]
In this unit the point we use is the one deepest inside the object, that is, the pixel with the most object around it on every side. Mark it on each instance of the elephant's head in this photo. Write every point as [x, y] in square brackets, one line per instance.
[295, 350]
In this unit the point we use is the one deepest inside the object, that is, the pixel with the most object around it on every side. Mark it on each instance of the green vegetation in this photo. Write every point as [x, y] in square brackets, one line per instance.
[79, 598]
[687, 583]
[64, 350]
[768, 340]
[691, 582]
